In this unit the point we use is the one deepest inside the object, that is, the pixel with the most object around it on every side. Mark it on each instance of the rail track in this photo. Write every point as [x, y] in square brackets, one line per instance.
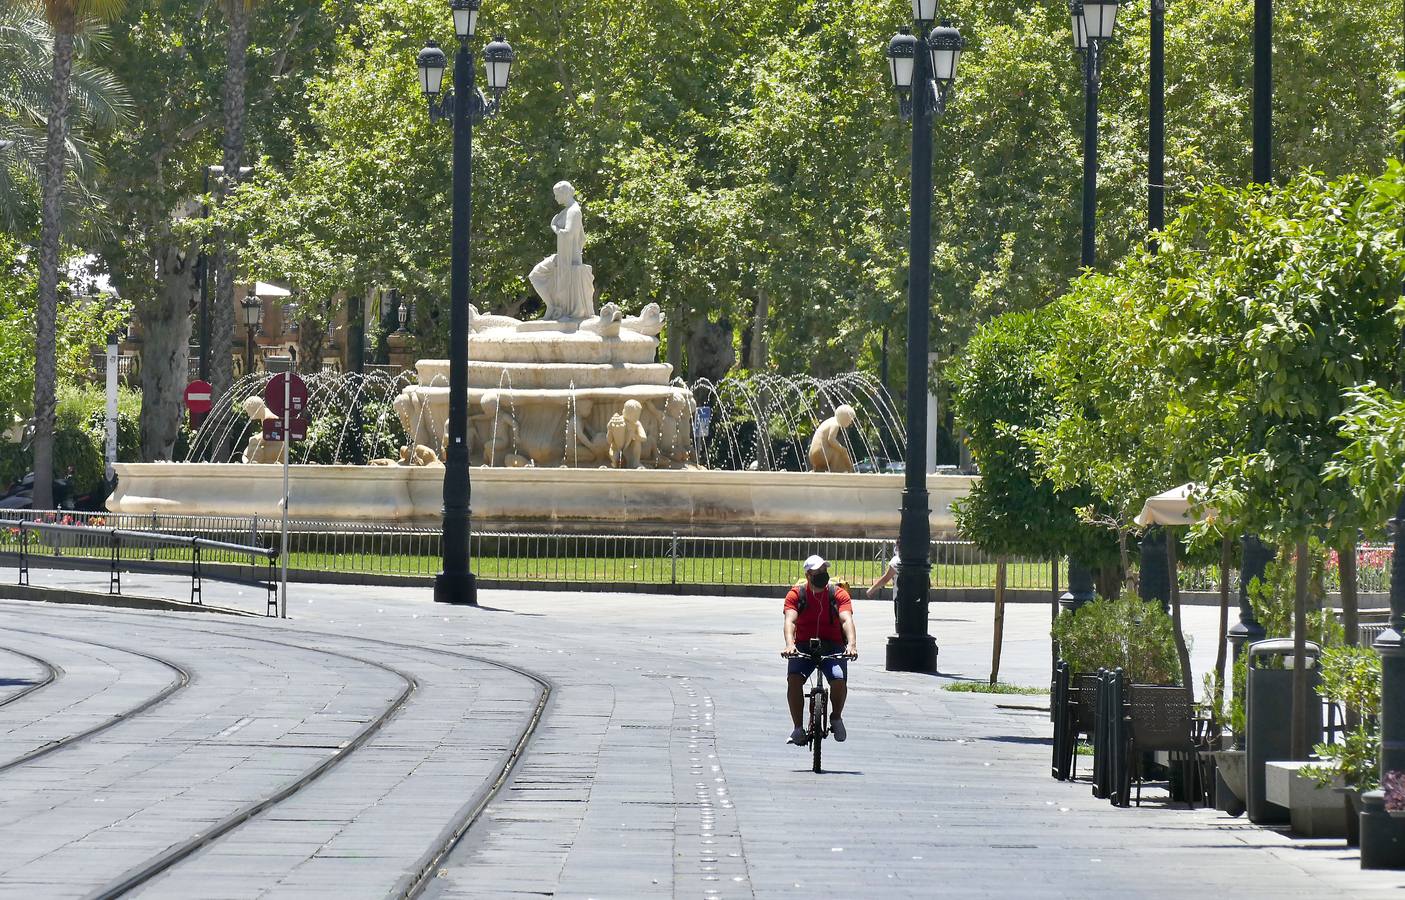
[423, 869]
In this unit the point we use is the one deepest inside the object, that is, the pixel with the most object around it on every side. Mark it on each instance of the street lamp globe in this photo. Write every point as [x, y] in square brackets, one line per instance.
[902, 50]
[1080, 36]
[497, 60]
[432, 63]
[252, 308]
[945, 44]
[465, 17]
[1099, 17]
[924, 10]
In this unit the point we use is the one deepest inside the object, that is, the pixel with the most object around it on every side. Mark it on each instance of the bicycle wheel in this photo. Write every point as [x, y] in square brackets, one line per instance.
[817, 704]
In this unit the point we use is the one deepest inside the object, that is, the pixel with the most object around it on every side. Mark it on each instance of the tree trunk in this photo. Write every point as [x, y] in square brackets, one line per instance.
[166, 350]
[1182, 651]
[46, 318]
[1226, 561]
[998, 638]
[1302, 696]
[226, 259]
[676, 338]
[1346, 565]
[757, 359]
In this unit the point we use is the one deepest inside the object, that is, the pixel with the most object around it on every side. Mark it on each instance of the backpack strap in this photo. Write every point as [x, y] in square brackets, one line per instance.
[833, 603]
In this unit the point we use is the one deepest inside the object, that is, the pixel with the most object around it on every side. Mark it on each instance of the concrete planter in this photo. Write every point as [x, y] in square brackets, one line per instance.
[1233, 768]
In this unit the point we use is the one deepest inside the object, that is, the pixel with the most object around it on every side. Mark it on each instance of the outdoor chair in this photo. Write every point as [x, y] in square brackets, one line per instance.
[1072, 706]
[1161, 719]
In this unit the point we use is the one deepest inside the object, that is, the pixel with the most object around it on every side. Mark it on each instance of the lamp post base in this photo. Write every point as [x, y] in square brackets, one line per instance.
[1382, 835]
[917, 653]
[459, 589]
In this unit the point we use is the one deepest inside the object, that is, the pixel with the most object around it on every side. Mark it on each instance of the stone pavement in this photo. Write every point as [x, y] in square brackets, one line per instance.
[658, 768]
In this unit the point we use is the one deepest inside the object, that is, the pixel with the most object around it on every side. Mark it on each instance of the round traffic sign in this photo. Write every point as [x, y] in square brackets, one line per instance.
[289, 385]
[197, 397]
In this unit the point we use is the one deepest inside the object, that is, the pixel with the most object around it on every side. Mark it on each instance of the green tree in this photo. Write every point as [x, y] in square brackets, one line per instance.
[1002, 397]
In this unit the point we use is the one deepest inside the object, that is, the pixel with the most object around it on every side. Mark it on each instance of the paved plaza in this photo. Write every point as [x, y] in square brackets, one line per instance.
[561, 744]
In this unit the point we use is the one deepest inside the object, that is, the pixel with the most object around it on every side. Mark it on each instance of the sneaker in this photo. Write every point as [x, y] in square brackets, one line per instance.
[836, 727]
[798, 737]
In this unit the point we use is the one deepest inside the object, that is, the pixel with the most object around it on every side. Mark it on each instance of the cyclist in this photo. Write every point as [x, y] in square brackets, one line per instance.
[816, 608]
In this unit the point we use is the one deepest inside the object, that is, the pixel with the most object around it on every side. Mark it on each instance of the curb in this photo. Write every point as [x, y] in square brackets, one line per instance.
[34, 594]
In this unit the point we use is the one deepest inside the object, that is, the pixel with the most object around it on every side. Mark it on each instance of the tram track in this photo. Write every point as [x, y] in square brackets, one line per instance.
[181, 681]
[51, 674]
[422, 871]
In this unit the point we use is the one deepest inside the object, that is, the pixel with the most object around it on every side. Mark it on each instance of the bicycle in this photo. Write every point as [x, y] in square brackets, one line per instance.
[818, 696]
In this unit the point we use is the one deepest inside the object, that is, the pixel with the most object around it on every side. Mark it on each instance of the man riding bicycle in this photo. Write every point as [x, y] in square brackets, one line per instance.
[814, 608]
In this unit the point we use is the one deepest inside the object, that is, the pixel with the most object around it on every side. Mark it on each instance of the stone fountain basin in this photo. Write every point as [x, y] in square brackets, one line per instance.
[641, 501]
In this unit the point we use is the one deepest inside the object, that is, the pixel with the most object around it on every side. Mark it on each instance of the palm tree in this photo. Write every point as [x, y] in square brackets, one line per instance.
[99, 101]
[67, 18]
[235, 75]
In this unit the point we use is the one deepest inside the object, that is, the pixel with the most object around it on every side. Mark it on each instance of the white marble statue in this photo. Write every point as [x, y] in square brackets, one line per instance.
[563, 281]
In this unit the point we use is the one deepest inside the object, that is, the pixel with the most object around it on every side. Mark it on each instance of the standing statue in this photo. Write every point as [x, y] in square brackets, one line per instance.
[827, 450]
[626, 436]
[563, 281]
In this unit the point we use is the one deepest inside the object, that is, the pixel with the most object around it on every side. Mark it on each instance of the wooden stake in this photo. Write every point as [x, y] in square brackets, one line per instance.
[999, 619]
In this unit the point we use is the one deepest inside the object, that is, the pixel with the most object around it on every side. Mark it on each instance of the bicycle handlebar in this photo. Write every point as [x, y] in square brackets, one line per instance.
[800, 654]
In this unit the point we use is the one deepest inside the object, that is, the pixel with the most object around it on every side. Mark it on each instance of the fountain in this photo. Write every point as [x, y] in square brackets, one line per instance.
[573, 426]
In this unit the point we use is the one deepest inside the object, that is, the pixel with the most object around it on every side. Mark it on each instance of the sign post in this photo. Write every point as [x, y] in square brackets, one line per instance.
[285, 397]
[110, 472]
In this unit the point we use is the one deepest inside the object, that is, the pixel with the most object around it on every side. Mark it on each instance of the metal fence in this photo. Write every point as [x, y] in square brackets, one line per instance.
[378, 549]
[401, 550]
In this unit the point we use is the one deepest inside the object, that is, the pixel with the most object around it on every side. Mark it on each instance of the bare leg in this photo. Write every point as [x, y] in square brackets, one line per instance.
[838, 692]
[795, 696]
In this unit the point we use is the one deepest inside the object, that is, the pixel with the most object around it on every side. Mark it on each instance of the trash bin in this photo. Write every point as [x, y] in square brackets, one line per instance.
[1268, 713]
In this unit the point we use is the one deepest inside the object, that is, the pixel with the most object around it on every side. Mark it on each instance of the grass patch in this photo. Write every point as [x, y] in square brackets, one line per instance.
[1000, 687]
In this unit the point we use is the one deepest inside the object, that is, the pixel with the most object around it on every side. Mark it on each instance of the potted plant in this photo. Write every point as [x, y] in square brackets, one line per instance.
[1124, 633]
[1351, 676]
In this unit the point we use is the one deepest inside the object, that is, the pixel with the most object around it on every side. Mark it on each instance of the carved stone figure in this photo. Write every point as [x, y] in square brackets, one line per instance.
[415, 418]
[672, 447]
[563, 281]
[607, 324]
[259, 450]
[498, 431]
[626, 436]
[649, 321]
[827, 451]
[582, 447]
[418, 455]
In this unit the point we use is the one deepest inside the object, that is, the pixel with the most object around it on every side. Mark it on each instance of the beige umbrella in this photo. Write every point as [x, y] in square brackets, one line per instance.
[1175, 508]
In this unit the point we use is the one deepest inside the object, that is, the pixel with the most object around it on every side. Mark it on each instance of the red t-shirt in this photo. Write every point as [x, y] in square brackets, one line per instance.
[815, 620]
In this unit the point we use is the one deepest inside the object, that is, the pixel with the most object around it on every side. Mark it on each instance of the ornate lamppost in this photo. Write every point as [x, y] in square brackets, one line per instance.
[464, 106]
[1093, 22]
[923, 67]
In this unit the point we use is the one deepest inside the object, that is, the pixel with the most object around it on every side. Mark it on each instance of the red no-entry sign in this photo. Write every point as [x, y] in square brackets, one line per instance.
[197, 397]
[290, 385]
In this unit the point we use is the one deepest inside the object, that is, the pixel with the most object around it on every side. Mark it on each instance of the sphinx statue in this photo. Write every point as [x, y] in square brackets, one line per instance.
[827, 450]
[259, 450]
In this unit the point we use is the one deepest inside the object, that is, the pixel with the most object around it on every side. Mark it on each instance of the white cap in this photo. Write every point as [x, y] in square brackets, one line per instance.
[815, 562]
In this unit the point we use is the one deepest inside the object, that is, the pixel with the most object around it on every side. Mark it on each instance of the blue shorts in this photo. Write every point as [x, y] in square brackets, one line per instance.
[834, 669]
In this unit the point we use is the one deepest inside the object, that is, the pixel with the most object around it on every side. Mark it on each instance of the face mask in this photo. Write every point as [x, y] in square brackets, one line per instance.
[819, 579]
